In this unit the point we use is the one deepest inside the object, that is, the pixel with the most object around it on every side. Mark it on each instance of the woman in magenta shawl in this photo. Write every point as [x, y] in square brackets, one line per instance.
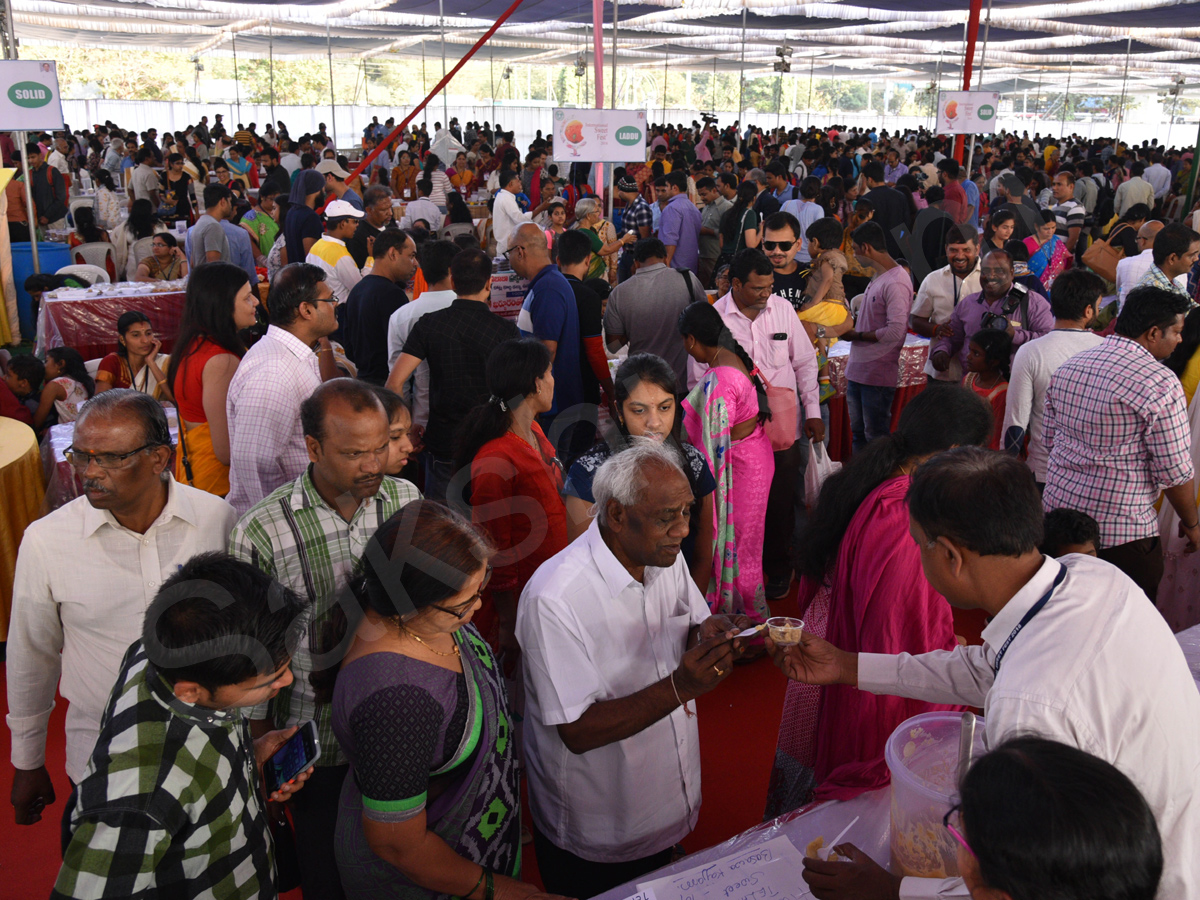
[861, 581]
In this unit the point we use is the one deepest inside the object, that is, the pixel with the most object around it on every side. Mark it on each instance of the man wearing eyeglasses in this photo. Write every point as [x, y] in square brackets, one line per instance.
[85, 576]
[309, 535]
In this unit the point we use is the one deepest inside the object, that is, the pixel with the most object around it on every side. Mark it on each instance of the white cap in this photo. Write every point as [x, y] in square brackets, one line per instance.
[336, 209]
[331, 167]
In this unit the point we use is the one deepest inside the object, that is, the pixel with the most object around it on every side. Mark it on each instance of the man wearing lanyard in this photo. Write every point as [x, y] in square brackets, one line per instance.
[1074, 652]
[940, 292]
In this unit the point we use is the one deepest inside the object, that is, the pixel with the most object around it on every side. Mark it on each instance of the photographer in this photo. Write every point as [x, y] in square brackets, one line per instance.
[1002, 305]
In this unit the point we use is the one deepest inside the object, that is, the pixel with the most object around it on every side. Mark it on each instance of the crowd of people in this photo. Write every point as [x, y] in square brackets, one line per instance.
[477, 556]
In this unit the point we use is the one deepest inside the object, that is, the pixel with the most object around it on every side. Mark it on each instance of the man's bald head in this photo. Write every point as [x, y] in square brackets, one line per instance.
[1149, 230]
[527, 250]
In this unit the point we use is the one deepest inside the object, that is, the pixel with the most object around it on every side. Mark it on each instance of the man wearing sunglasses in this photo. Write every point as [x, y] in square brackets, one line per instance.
[85, 576]
[309, 535]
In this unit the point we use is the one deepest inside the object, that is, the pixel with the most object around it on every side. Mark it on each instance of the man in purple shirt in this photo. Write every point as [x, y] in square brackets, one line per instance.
[1001, 304]
[878, 338]
[679, 227]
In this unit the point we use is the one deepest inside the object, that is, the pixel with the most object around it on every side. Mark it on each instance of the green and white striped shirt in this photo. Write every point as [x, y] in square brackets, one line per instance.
[303, 543]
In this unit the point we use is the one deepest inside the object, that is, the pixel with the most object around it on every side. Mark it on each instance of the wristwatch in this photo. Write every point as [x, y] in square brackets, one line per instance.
[820, 332]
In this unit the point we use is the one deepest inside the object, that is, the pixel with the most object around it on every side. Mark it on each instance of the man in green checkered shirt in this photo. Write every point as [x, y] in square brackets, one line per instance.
[309, 535]
[172, 802]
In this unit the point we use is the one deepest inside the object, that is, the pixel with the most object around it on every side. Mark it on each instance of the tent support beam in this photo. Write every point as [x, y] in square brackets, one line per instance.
[1191, 191]
[741, 72]
[399, 129]
[271, 67]
[445, 96]
[987, 29]
[1124, 82]
[1062, 126]
[968, 58]
[332, 107]
[598, 62]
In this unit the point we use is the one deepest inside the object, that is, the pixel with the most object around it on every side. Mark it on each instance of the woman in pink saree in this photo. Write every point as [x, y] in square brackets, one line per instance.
[724, 417]
[861, 576]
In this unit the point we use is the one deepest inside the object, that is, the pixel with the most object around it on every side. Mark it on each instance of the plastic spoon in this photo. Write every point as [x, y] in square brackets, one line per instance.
[823, 853]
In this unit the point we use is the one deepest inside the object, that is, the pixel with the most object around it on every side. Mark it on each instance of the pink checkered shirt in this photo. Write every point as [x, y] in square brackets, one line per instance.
[266, 443]
[1116, 427]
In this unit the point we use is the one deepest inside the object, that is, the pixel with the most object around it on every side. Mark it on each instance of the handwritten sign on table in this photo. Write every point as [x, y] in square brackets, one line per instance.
[768, 871]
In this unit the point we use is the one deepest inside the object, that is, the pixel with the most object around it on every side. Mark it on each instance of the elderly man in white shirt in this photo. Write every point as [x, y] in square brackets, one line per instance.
[1074, 652]
[266, 441]
[616, 644]
[86, 574]
[767, 328]
[940, 292]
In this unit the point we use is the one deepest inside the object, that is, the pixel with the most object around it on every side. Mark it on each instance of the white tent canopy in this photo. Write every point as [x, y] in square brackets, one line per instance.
[1091, 41]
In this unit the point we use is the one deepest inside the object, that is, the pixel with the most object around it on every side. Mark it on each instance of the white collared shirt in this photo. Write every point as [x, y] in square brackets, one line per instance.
[83, 584]
[266, 443]
[936, 299]
[1097, 668]
[506, 219]
[589, 632]
[1133, 269]
[780, 347]
[400, 325]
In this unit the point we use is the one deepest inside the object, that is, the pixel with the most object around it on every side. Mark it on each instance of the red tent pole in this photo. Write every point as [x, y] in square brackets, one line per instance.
[446, 80]
[972, 36]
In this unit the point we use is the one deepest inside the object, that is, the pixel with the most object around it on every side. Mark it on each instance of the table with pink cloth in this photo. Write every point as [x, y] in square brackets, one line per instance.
[910, 381]
[85, 319]
[62, 483]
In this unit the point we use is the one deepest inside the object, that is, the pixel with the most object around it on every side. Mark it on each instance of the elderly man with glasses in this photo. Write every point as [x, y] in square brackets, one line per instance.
[309, 535]
[85, 576]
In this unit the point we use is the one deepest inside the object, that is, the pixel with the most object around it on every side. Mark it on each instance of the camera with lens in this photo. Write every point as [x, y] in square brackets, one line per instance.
[1018, 296]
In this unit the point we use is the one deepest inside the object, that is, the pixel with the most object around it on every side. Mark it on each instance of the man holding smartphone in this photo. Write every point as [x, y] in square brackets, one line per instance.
[172, 802]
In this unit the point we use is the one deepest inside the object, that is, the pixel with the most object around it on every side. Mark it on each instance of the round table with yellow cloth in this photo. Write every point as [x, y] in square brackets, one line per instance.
[21, 491]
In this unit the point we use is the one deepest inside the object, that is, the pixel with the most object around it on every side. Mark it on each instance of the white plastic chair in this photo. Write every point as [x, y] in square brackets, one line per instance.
[96, 253]
[93, 366]
[77, 203]
[138, 251]
[94, 274]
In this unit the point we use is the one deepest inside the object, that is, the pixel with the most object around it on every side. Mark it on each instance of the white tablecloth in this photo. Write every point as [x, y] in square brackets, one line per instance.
[872, 832]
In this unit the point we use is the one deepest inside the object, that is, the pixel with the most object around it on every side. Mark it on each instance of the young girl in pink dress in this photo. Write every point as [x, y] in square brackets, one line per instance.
[724, 416]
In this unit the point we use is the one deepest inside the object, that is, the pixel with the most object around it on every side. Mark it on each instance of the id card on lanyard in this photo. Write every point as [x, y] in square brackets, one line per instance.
[1028, 617]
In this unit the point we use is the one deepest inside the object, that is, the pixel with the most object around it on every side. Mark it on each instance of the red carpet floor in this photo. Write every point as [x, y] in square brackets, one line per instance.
[739, 722]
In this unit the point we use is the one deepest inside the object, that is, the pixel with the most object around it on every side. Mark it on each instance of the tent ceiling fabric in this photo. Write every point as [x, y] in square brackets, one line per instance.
[896, 39]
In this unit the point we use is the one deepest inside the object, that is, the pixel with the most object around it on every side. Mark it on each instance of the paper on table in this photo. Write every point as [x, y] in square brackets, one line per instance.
[770, 871]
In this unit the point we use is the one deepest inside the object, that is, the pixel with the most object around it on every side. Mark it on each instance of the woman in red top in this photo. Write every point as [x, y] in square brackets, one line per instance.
[219, 303]
[515, 482]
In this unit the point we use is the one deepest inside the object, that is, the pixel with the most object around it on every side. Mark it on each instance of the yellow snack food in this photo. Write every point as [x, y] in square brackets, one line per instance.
[816, 844]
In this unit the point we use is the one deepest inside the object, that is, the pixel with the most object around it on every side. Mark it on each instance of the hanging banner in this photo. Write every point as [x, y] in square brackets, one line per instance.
[29, 98]
[599, 135]
[967, 112]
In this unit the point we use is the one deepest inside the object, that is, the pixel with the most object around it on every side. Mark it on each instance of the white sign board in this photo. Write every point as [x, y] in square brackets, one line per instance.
[599, 135]
[29, 99]
[769, 871]
[508, 294]
[967, 112]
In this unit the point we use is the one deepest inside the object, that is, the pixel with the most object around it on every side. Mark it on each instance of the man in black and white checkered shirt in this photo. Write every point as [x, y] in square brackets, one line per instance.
[172, 802]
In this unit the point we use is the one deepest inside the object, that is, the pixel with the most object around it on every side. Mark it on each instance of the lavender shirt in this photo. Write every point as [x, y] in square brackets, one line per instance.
[968, 316]
[680, 227]
[885, 310]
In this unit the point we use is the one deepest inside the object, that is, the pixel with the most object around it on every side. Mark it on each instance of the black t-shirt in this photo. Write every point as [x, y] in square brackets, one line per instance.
[891, 212]
[791, 287]
[357, 244]
[364, 331]
[591, 318]
[765, 204]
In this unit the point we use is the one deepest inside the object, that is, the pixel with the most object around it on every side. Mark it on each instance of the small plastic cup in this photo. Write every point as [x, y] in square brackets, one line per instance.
[785, 631]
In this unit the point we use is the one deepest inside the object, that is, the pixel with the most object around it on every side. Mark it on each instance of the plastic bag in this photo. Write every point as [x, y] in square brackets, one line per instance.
[819, 467]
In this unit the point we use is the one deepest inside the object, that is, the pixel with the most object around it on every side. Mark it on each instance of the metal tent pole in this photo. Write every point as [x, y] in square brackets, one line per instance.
[812, 69]
[1191, 191]
[1124, 82]
[445, 98]
[271, 66]
[987, 27]
[237, 88]
[492, 79]
[332, 107]
[1062, 127]
[613, 62]
[742, 71]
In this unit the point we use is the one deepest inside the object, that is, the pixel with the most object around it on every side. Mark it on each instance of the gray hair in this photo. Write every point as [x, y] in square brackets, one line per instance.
[623, 475]
[117, 144]
[758, 176]
[586, 207]
[143, 407]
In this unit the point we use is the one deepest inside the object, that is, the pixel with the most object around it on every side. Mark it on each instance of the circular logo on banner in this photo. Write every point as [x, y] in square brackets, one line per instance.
[628, 136]
[986, 112]
[30, 94]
